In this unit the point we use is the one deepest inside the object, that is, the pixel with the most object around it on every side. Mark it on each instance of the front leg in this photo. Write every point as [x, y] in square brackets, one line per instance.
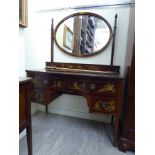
[46, 108]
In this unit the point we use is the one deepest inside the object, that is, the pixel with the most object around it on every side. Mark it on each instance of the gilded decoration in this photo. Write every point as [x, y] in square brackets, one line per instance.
[92, 68]
[101, 105]
[37, 95]
[66, 66]
[58, 84]
[107, 88]
[77, 86]
[37, 82]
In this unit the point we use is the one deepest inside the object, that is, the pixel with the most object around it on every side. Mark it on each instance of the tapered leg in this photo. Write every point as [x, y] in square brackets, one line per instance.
[46, 108]
[115, 128]
[117, 114]
[29, 139]
[112, 119]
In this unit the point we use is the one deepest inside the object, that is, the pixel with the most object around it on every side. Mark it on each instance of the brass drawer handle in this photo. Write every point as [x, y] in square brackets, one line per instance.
[45, 82]
[92, 86]
[104, 104]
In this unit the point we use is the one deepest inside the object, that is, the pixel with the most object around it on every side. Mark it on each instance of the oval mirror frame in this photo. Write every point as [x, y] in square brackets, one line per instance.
[89, 14]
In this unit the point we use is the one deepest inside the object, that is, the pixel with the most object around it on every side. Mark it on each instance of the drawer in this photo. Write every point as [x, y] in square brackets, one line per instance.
[58, 84]
[37, 96]
[103, 87]
[40, 81]
[103, 105]
[43, 96]
[77, 86]
[68, 85]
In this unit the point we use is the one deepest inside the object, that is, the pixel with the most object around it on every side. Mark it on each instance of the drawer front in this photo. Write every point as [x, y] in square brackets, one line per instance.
[68, 85]
[104, 105]
[37, 96]
[58, 84]
[41, 81]
[103, 87]
[43, 96]
[76, 85]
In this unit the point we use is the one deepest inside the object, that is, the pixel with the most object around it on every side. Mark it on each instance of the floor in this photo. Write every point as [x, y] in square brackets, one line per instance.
[61, 135]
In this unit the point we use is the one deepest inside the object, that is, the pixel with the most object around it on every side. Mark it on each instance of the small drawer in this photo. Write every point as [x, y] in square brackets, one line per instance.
[77, 86]
[44, 96]
[99, 87]
[103, 105]
[58, 84]
[37, 96]
[40, 81]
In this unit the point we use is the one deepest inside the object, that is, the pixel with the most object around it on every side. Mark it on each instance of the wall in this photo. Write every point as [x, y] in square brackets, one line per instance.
[24, 43]
[37, 52]
[130, 39]
[21, 53]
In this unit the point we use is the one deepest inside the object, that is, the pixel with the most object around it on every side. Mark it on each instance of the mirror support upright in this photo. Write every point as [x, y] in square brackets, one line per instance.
[52, 40]
[113, 43]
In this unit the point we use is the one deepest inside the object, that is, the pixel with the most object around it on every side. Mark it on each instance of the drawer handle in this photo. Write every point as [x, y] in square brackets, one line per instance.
[92, 86]
[45, 82]
[104, 104]
[100, 105]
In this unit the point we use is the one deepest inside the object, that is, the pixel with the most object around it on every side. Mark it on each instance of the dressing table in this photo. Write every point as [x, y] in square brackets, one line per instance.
[101, 85]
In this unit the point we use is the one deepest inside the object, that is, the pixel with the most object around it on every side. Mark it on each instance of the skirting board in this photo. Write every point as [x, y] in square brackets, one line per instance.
[77, 114]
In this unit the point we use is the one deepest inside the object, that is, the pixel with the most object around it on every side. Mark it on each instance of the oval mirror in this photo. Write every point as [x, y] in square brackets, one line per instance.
[83, 34]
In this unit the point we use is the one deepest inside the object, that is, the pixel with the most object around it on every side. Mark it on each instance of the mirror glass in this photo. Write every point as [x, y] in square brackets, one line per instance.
[83, 34]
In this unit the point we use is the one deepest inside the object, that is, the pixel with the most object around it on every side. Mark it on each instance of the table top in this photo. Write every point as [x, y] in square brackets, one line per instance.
[58, 72]
[24, 79]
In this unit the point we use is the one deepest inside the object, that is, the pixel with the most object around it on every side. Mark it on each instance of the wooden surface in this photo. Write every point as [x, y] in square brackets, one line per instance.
[60, 135]
[103, 92]
[92, 67]
[25, 110]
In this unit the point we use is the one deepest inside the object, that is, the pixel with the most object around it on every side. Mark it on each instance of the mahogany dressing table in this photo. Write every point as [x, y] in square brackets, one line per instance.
[101, 85]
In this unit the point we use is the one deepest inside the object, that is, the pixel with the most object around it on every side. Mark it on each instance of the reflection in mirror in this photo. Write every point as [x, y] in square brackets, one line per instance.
[83, 35]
